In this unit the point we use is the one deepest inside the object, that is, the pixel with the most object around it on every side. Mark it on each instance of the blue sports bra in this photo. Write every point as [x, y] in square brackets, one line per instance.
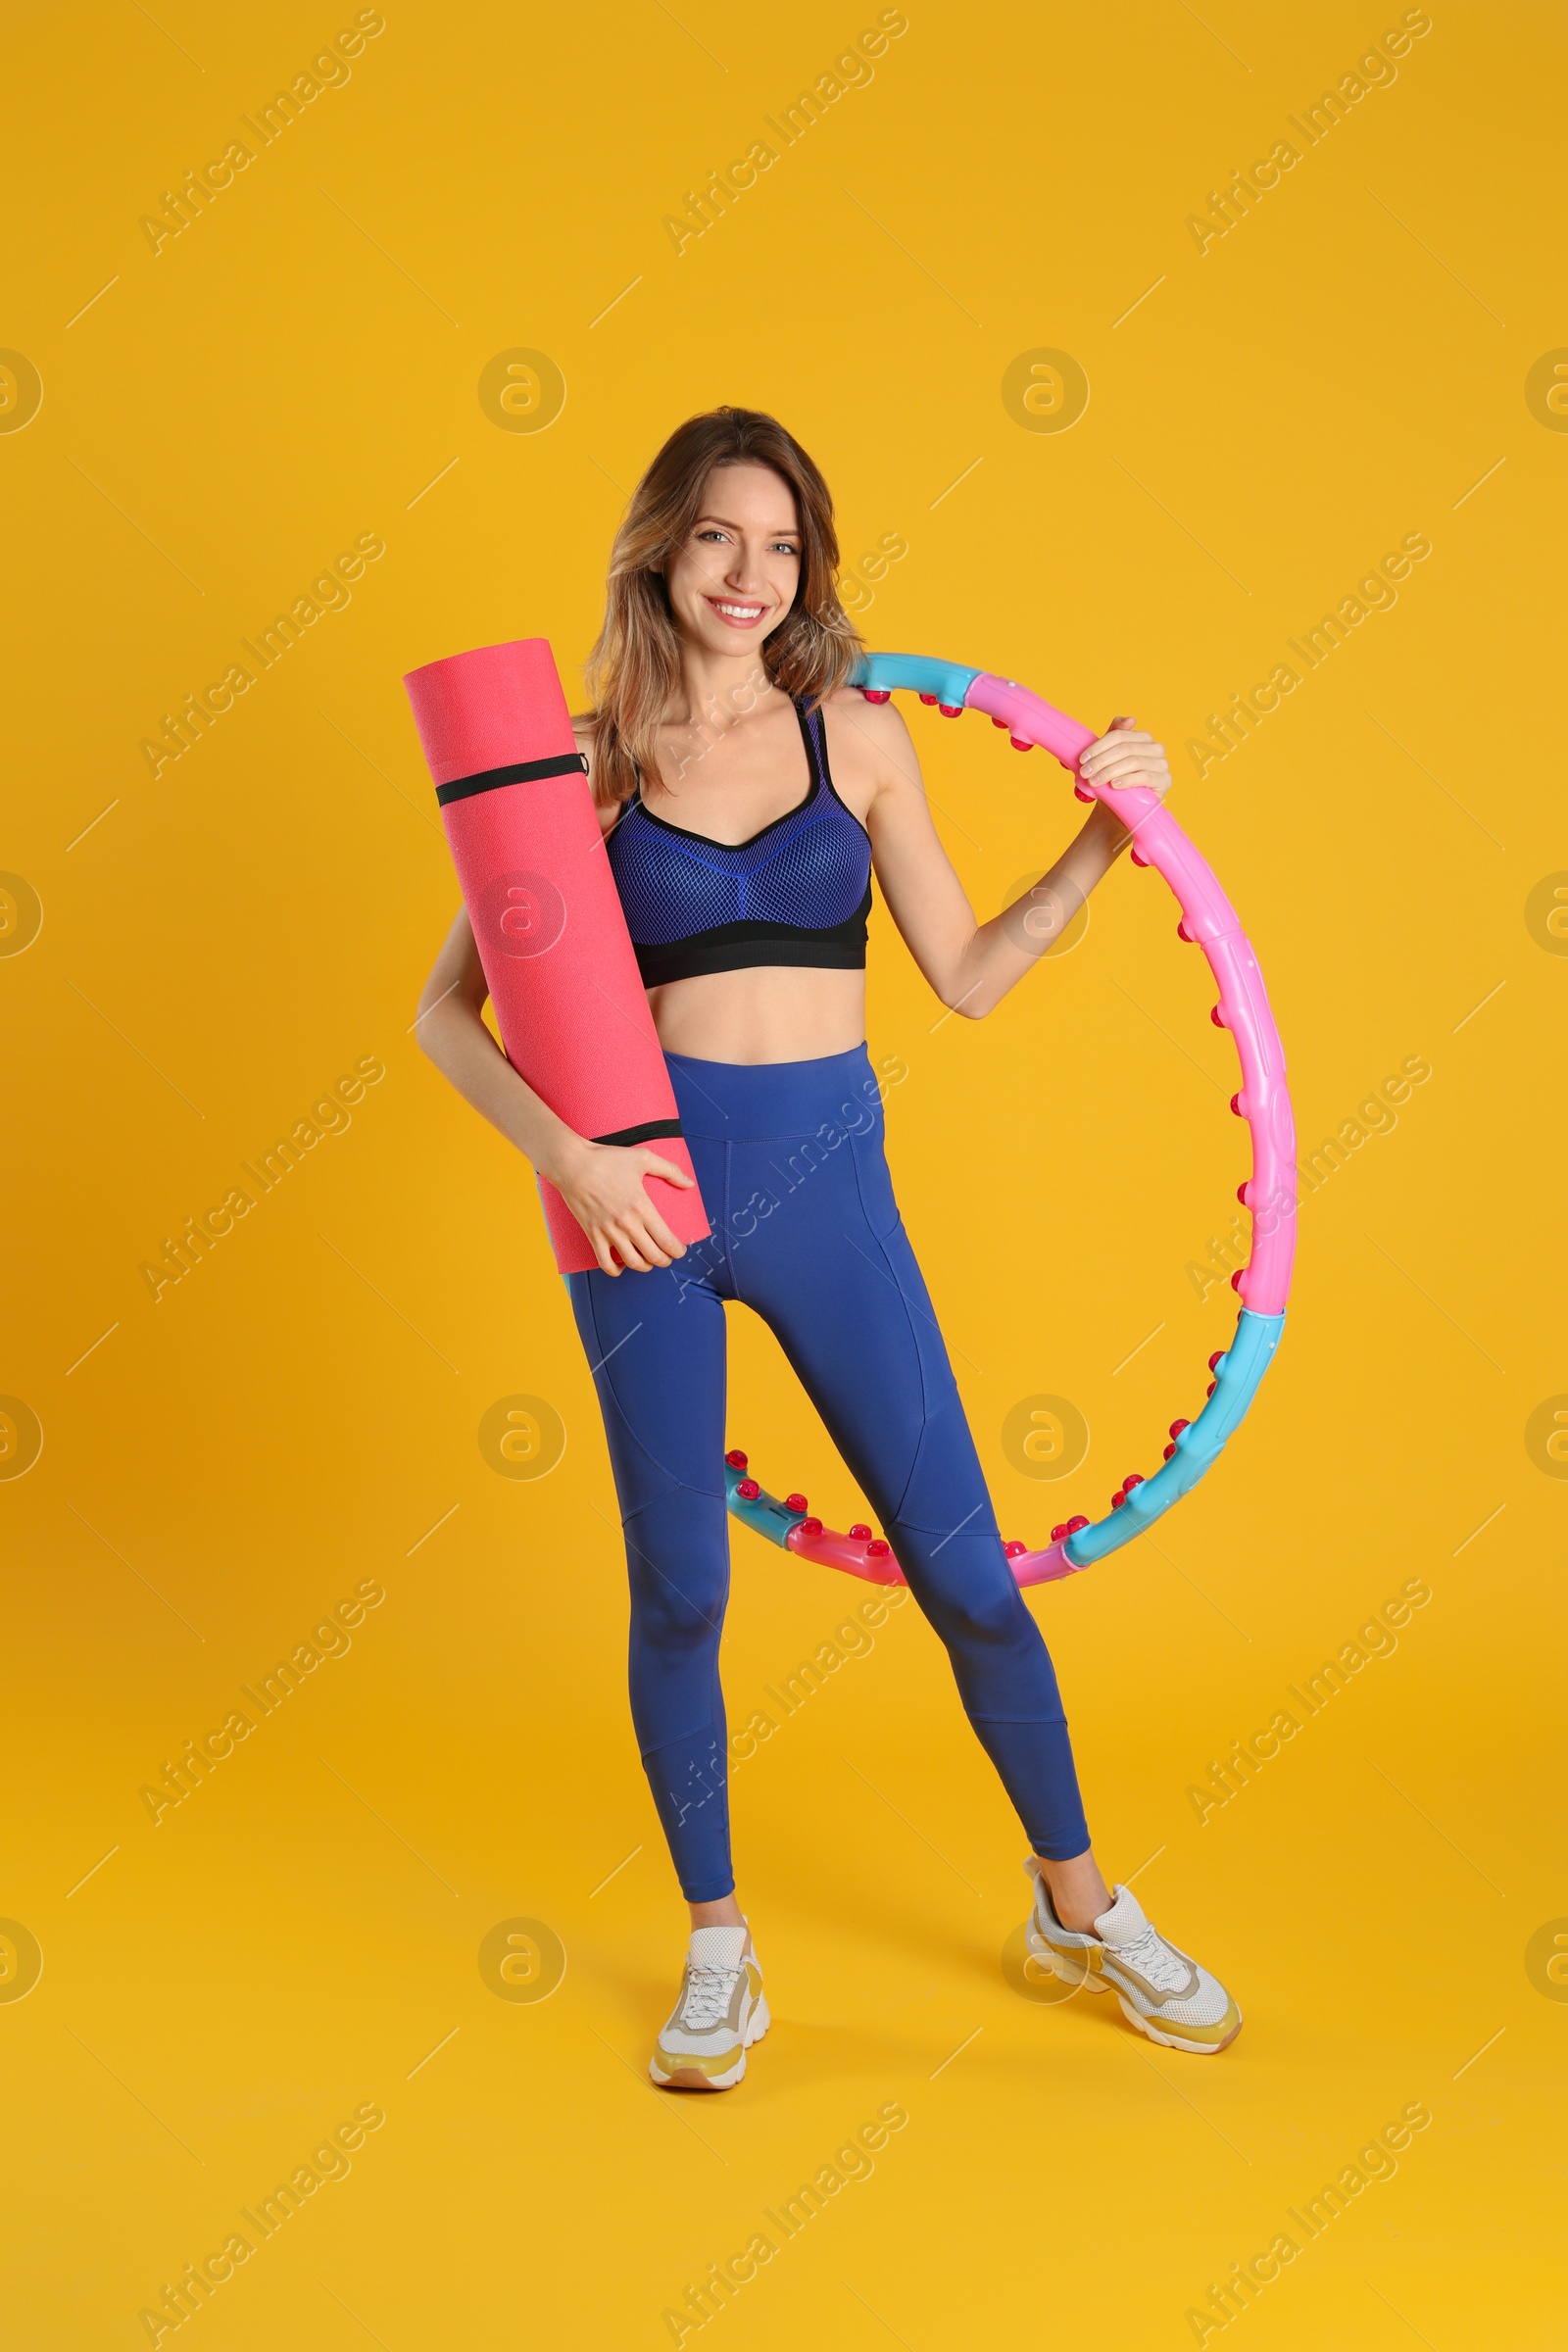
[797, 893]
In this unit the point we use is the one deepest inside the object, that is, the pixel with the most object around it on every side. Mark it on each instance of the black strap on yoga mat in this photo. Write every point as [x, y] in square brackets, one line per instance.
[522, 772]
[651, 1131]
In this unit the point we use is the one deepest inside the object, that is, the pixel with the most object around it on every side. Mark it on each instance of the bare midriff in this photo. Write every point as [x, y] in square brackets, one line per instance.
[771, 1012]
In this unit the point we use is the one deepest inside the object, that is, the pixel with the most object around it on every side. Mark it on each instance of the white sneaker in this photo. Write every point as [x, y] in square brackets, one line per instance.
[721, 2011]
[1163, 1993]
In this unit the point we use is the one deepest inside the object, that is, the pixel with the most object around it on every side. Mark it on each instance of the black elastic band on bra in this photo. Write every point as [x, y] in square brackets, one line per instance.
[522, 772]
[652, 1131]
[737, 947]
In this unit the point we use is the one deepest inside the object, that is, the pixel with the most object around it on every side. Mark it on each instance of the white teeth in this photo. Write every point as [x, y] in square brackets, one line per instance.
[743, 611]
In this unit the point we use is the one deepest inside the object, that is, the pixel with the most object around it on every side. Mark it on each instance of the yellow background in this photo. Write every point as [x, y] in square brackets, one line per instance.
[295, 370]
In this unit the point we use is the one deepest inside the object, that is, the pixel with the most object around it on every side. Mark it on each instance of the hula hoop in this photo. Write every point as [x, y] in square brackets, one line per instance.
[1209, 921]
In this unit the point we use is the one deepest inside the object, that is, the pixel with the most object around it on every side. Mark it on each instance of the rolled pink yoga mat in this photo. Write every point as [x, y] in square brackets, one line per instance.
[525, 838]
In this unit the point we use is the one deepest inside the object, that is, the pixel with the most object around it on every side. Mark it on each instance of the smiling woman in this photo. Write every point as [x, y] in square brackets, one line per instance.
[747, 792]
[672, 560]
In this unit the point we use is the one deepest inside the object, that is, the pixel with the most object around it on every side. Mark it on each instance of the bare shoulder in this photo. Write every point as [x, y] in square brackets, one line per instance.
[870, 748]
[883, 722]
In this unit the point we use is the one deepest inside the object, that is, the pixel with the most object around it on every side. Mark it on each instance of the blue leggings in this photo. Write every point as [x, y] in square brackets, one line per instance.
[806, 1231]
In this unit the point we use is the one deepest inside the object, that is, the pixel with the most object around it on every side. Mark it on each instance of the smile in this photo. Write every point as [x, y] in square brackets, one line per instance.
[737, 615]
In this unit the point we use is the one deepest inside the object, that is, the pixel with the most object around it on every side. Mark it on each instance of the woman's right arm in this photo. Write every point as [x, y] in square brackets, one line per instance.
[602, 1184]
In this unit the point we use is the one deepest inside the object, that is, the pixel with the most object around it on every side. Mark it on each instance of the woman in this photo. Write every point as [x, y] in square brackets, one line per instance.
[747, 794]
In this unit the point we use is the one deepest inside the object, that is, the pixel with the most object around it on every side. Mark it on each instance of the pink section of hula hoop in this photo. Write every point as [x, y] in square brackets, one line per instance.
[1264, 1100]
[829, 1549]
[1044, 1567]
[1210, 921]
[1026, 714]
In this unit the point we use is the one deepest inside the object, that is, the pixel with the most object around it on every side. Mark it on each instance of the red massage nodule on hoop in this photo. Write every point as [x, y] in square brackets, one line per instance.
[524, 837]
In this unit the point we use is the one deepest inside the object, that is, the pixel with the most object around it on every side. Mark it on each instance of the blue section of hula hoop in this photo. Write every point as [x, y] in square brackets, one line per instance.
[917, 674]
[1198, 1449]
[766, 1514]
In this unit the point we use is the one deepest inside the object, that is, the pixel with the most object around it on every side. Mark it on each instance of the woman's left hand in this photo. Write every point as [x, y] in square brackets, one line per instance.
[1125, 755]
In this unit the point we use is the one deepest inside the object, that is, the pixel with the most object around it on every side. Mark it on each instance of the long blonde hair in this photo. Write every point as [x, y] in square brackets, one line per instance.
[633, 672]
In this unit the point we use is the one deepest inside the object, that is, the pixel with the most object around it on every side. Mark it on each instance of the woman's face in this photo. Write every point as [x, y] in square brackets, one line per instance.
[734, 580]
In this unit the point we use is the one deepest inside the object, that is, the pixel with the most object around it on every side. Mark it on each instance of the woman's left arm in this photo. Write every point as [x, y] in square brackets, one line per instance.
[972, 965]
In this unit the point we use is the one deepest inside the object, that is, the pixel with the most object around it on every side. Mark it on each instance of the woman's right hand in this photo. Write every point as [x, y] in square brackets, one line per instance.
[602, 1184]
